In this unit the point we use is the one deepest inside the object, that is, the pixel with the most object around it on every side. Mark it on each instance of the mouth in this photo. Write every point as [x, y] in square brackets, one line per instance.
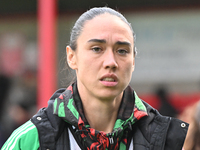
[108, 79]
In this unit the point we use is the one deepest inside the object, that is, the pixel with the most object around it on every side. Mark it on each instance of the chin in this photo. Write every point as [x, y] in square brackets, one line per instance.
[110, 95]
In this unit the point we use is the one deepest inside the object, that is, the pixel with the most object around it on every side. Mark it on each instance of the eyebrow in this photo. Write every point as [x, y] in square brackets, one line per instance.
[104, 41]
[123, 43]
[97, 40]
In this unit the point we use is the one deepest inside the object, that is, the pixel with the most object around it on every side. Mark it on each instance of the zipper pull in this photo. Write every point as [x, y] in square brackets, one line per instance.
[111, 140]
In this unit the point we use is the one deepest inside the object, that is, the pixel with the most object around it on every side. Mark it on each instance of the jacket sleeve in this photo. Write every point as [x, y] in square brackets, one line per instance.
[176, 134]
[23, 138]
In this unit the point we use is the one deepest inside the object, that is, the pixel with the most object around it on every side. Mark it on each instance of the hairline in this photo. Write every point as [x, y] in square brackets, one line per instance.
[88, 17]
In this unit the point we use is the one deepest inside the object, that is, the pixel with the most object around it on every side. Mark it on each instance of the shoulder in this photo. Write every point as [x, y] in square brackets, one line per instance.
[49, 126]
[176, 134]
[161, 130]
[24, 137]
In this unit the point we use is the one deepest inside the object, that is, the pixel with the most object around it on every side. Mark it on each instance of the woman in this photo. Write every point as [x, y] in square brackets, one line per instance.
[99, 111]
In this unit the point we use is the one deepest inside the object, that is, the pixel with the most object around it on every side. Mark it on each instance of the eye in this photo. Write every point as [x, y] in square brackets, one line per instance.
[122, 51]
[96, 49]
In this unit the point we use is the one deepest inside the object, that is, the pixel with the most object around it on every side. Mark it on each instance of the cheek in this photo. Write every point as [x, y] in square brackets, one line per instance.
[128, 69]
[82, 61]
[85, 67]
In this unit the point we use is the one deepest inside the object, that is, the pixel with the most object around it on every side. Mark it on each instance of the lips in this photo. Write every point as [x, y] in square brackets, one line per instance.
[109, 77]
[109, 80]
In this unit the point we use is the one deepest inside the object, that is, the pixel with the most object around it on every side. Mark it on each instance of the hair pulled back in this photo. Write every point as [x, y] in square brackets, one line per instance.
[89, 15]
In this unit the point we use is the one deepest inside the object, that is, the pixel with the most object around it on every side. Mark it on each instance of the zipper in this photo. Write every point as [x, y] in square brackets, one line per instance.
[111, 140]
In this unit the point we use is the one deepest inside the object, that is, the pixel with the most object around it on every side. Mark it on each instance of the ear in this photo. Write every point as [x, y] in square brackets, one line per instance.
[133, 66]
[71, 58]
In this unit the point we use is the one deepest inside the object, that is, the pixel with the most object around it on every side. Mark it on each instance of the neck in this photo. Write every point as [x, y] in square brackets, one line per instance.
[101, 114]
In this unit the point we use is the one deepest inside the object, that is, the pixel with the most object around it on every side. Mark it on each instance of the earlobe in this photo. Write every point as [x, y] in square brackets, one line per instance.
[71, 58]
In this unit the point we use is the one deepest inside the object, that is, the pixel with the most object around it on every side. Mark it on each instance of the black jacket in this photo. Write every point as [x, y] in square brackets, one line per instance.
[152, 132]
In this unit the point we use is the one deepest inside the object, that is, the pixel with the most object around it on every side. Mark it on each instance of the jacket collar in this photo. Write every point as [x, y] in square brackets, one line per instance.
[69, 107]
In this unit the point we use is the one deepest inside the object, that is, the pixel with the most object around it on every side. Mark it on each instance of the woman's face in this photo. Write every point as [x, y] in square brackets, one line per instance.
[104, 58]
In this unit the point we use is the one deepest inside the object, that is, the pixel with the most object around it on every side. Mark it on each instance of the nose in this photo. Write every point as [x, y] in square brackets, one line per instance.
[110, 60]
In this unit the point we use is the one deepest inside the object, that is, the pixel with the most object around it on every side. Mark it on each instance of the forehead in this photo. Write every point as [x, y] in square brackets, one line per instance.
[104, 24]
